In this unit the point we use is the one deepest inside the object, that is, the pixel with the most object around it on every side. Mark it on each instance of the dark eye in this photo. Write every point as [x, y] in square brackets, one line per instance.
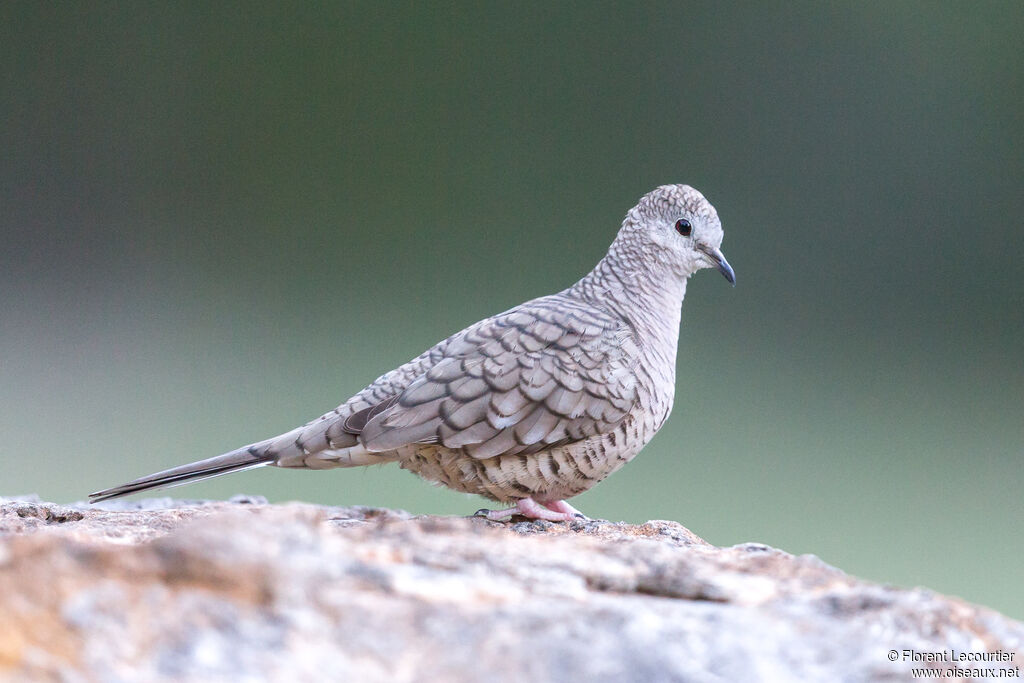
[683, 227]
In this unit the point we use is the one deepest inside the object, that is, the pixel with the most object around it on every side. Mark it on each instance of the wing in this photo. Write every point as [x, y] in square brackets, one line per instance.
[551, 371]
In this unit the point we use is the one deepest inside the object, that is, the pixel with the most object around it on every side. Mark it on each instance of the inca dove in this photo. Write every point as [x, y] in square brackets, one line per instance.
[533, 405]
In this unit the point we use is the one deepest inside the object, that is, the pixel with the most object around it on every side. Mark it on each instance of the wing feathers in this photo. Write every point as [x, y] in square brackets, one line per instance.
[548, 371]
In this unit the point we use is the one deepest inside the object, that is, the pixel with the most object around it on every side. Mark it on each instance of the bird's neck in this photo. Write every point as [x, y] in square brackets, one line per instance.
[649, 297]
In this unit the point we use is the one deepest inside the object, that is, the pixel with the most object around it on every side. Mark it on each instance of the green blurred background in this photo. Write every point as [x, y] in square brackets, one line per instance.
[219, 222]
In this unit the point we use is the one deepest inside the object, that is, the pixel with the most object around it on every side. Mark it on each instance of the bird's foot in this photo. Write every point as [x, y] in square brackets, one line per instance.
[565, 508]
[555, 511]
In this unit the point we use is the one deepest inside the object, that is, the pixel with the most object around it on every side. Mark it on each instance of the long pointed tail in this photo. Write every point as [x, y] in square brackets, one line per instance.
[316, 445]
[244, 458]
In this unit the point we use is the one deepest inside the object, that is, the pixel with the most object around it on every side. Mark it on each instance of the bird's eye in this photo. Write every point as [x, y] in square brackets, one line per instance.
[683, 227]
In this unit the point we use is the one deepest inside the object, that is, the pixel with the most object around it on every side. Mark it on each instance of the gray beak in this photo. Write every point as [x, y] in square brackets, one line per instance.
[718, 258]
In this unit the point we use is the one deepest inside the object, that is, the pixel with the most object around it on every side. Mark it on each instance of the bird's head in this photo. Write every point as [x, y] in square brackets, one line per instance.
[675, 227]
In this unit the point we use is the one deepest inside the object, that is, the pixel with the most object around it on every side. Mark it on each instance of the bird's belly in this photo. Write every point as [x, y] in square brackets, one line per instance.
[555, 474]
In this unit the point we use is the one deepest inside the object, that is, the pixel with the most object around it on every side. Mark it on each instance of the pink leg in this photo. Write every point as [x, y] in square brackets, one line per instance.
[559, 511]
[562, 506]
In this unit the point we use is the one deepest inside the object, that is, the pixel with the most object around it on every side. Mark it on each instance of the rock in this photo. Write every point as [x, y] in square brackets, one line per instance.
[165, 590]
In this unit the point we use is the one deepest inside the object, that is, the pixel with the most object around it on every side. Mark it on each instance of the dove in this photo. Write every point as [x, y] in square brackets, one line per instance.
[532, 406]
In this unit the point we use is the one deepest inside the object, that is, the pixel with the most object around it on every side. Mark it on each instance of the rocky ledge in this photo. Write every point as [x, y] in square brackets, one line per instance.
[166, 590]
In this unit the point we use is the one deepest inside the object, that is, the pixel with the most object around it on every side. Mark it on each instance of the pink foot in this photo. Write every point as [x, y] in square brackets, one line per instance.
[556, 511]
[562, 506]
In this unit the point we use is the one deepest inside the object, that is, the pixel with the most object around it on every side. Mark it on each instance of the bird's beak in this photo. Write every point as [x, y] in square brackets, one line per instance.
[718, 260]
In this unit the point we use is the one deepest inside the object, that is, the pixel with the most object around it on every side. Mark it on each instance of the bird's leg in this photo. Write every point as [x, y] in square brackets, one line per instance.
[565, 508]
[531, 509]
[558, 511]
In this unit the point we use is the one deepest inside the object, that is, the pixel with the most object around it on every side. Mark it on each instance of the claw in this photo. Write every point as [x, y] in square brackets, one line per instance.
[496, 515]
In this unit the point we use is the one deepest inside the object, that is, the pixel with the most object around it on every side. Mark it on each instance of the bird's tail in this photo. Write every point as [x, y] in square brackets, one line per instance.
[316, 445]
[244, 458]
